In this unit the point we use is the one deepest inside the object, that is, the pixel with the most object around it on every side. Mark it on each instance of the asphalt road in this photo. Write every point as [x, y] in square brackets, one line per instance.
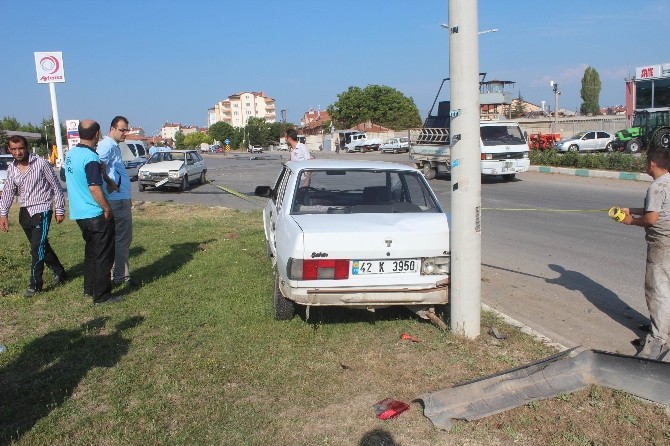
[576, 277]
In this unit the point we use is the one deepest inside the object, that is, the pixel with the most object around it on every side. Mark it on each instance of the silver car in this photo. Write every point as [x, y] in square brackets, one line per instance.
[589, 141]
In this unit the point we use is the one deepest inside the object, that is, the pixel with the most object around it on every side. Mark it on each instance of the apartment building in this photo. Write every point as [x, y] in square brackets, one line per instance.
[168, 130]
[238, 108]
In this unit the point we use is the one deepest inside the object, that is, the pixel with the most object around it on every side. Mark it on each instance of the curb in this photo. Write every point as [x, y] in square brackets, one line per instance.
[592, 173]
[525, 328]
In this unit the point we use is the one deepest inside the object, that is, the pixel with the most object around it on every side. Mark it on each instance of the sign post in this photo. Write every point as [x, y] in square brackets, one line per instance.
[49, 67]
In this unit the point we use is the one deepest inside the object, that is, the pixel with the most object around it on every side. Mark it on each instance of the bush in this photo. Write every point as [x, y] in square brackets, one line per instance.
[620, 162]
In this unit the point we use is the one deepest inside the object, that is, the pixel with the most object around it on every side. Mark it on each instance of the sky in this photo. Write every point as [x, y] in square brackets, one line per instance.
[158, 61]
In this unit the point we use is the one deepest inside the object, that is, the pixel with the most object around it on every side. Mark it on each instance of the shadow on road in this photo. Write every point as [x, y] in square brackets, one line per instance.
[601, 297]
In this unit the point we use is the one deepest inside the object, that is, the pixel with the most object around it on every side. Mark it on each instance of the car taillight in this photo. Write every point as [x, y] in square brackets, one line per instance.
[318, 269]
[487, 156]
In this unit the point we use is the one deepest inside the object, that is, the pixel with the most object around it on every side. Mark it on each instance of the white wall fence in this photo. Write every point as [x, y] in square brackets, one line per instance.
[566, 127]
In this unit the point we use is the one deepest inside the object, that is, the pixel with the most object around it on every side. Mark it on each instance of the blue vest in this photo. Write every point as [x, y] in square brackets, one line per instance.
[82, 204]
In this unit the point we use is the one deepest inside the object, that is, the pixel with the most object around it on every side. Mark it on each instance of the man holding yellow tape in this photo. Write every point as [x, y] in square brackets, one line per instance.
[655, 219]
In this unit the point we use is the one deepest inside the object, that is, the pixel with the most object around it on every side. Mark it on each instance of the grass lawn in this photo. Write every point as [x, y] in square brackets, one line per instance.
[193, 356]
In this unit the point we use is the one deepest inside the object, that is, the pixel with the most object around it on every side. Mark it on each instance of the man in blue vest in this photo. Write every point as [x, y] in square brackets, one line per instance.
[92, 212]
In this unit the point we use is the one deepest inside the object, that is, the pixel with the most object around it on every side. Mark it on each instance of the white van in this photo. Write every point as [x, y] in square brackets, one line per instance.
[134, 154]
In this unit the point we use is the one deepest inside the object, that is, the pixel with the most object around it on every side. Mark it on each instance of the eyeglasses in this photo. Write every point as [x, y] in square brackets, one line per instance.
[122, 130]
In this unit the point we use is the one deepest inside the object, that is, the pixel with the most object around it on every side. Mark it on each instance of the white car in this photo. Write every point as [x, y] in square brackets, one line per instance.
[255, 149]
[282, 146]
[4, 162]
[173, 168]
[395, 145]
[588, 141]
[359, 234]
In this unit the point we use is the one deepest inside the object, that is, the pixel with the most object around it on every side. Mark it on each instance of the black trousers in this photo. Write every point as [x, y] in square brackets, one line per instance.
[36, 228]
[98, 234]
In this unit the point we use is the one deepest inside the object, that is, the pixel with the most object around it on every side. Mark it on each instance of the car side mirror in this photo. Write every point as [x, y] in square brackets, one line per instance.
[263, 191]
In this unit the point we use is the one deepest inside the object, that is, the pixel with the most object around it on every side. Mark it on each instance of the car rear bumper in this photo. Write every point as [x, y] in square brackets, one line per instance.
[368, 297]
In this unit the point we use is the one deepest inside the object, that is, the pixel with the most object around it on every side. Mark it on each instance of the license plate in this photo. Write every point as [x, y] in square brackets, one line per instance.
[162, 182]
[396, 266]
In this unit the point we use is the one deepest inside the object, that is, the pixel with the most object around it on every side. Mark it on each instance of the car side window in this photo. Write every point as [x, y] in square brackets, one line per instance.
[590, 135]
[275, 190]
[602, 135]
[282, 189]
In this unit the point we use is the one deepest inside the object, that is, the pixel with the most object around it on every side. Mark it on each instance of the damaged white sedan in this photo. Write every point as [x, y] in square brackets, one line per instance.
[359, 234]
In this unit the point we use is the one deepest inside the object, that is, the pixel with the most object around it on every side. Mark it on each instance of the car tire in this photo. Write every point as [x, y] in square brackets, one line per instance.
[662, 138]
[141, 187]
[282, 308]
[633, 146]
[609, 148]
[184, 184]
[203, 178]
[509, 177]
[395, 150]
[428, 171]
[573, 148]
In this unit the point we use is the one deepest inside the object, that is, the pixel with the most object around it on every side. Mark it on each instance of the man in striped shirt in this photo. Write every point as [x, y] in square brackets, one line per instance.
[34, 181]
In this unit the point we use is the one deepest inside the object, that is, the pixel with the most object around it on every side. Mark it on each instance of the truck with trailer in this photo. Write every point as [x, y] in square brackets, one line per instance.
[503, 146]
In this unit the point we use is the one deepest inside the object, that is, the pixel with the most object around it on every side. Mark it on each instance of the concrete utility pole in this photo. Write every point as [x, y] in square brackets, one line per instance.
[466, 187]
[554, 87]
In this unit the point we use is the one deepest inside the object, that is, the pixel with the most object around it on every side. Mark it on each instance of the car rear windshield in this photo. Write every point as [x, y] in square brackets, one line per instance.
[362, 191]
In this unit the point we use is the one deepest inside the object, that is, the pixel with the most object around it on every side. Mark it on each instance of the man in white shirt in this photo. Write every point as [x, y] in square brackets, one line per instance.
[299, 151]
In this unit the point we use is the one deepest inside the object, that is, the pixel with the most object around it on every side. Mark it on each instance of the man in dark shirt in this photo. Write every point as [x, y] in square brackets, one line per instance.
[92, 212]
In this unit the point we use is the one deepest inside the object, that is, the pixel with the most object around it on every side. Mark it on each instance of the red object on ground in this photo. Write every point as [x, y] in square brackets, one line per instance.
[409, 337]
[389, 408]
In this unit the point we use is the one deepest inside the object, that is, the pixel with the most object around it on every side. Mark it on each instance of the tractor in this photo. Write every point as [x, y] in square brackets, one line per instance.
[539, 141]
[651, 127]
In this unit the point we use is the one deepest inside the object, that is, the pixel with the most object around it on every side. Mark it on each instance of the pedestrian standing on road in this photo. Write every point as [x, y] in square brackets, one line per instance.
[92, 212]
[337, 145]
[299, 151]
[152, 149]
[34, 181]
[655, 219]
[120, 199]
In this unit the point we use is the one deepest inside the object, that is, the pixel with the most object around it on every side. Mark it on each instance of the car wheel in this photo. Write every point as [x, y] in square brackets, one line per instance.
[202, 179]
[633, 146]
[282, 308]
[428, 171]
[509, 177]
[141, 187]
[395, 150]
[184, 184]
[662, 138]
[609, 148]
[573, 148]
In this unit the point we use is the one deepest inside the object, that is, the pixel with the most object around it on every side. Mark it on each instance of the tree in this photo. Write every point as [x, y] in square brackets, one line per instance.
[220, 131]
[379, 104]
[590, 92]
[196, 138]
[179, 140]
[518, 107]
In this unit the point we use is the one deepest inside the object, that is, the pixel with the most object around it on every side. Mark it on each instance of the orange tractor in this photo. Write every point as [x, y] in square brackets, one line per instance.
[540, 141]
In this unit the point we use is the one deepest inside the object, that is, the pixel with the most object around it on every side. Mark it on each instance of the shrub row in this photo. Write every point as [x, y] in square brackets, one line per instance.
[621, 162]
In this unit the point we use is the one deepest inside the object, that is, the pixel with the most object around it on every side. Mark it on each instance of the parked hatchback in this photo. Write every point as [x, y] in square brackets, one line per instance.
[589, 141]
[395, 145]
[359, 234]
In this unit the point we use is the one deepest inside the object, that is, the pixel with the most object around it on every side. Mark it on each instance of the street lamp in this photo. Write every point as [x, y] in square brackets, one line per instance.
[495, 30]
[554, 86]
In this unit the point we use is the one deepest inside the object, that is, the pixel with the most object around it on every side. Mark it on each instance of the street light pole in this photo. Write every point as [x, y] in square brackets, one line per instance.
[466, 235]
[554, 86]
